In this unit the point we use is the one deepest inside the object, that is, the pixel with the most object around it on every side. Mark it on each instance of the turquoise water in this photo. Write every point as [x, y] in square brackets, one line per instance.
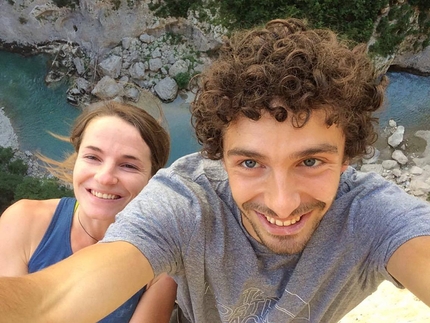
[35, 109]
[407, 102]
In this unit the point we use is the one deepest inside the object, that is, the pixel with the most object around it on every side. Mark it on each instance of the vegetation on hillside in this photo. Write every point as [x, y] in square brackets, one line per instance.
[15, 184]
[354, 19]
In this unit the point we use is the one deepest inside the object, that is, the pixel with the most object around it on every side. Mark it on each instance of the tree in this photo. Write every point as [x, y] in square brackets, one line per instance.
[16, 185]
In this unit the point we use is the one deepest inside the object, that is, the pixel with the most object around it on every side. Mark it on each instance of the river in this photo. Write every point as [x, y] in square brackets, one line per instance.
[35, 109]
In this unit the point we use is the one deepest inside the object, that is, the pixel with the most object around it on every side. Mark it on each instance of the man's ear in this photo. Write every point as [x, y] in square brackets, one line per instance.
[223, 163]
[344, 165]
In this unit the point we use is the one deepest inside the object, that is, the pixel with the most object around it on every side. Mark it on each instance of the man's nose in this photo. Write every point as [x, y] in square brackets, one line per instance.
[282, 194]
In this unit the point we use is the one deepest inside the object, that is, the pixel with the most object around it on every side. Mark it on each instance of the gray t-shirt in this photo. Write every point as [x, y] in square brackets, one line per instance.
[186, 223]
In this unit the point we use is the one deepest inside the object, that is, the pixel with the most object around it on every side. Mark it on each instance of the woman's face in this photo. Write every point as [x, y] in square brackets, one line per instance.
[112, 166]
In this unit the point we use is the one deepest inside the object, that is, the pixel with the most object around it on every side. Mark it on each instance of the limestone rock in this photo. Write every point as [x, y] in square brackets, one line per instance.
[167, 89]
[107, 88]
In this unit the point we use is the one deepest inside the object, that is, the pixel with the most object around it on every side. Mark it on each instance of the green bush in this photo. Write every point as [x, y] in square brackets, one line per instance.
[116, 4]
[182, 79]
[16, 185]
[421, 4]
[175, 8]
[22, 20]
[17, 167]
[353, 19]
[6, 154]
[40, 189]
[66, 3]
[8, 184]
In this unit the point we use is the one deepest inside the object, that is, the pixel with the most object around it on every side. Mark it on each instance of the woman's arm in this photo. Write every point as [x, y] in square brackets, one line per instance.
[156, 304]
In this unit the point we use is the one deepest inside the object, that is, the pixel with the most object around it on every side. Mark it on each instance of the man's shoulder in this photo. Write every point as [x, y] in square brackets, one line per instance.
[355, 180]
[369, 188]
[195, 167]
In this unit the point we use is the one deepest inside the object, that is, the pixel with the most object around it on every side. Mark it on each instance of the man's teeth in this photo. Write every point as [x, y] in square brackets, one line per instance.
[280, 223]
[104, 195]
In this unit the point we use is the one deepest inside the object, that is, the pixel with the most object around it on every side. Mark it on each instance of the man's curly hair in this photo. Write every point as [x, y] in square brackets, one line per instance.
[308, 69]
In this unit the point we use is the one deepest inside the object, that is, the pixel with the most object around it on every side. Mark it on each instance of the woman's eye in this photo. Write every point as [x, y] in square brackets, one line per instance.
[249, 163]
[129, 166]
[91, 157]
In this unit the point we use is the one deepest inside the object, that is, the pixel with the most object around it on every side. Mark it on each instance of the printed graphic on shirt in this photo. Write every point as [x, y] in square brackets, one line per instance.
[255, 307]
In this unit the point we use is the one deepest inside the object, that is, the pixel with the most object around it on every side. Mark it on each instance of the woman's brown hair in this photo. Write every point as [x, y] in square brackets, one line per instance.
[151, 131]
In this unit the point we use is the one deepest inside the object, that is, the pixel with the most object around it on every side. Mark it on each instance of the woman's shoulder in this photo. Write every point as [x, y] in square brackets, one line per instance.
[31, 216]
[31, 208]
[22, 227]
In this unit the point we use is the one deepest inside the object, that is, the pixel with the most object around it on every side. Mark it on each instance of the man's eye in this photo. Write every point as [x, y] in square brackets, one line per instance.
[249, 163]
[310, 162]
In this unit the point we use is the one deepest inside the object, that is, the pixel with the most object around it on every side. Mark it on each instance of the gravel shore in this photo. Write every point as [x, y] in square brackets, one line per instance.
[8, 138]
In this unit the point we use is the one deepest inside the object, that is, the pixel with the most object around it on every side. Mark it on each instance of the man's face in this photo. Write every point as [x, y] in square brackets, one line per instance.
[283, 179]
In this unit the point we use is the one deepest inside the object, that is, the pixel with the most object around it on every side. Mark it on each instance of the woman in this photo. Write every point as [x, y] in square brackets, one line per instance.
[118, 148]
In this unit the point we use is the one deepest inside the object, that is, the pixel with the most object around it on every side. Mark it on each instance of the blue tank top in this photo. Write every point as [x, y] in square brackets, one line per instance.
[55, 246]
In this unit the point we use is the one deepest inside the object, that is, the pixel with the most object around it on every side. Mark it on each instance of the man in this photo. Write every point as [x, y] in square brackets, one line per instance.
[268, 224]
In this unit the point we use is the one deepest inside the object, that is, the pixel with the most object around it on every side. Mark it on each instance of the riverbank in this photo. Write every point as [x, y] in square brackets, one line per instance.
[8, 138]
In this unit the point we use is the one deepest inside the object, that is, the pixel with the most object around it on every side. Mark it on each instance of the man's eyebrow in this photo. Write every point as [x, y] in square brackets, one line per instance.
[320, 149]
[244, 153]
[97, 149]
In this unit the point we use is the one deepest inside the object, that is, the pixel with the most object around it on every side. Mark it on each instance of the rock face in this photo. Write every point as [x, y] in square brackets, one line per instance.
[95, 25]
[124, 39]
[128, 44]
[414, 61]
[8, 137]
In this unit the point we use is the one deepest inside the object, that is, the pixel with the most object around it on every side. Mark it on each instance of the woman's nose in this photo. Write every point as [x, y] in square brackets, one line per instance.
[106, 175]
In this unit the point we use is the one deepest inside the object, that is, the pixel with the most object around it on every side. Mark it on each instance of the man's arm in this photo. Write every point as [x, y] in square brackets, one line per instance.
[82, 288]
[410, 265]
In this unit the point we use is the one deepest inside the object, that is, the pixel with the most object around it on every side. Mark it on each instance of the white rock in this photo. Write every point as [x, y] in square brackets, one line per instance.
[400, 157]
[392, 123]
[390, 164]
[107, 88]
[137, 71]
[155, 64]
[397, 137]
[415, 170]
[377, 168]
[8, 138]
[111, 66]
[419, 185]
[396, 172]
[166, 89]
